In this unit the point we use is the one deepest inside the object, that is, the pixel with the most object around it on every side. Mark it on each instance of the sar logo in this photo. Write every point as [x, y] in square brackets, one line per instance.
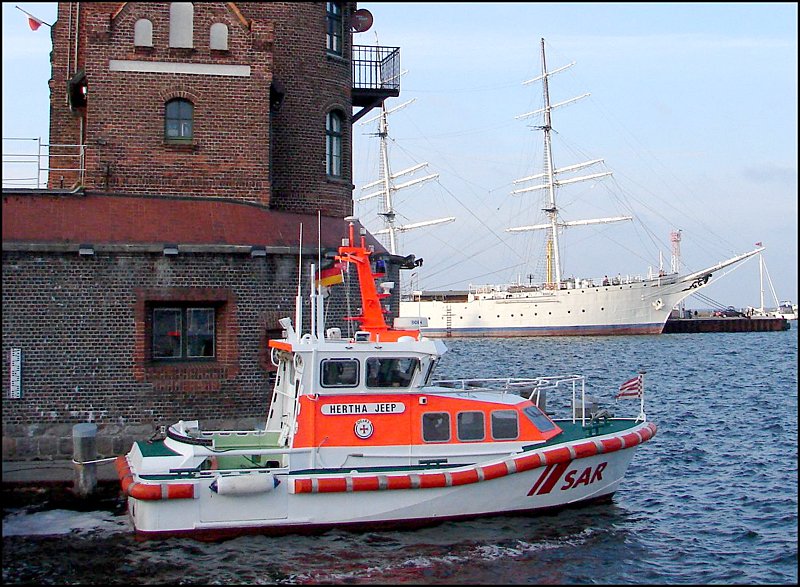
[363, 428]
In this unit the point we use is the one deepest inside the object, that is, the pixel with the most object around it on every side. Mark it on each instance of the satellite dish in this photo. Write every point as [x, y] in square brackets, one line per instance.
[360, 20]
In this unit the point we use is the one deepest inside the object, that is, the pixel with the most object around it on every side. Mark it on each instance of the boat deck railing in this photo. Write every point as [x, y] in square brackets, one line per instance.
[560, 392]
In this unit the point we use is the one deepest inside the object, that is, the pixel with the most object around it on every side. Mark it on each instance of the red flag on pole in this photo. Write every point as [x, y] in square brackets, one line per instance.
[34, 23]
[758, 244]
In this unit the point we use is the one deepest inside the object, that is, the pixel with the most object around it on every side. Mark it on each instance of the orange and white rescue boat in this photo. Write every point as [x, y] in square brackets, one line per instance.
[360, 435]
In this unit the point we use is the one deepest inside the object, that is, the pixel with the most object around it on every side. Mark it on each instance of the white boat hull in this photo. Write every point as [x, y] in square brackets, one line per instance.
[640, 307]
[544, 479]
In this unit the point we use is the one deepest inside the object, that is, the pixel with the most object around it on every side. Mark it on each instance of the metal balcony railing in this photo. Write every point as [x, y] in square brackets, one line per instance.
[32, 164]
[376, 68]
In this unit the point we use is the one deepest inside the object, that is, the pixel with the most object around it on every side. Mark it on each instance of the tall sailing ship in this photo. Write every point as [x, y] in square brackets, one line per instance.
[559, 305]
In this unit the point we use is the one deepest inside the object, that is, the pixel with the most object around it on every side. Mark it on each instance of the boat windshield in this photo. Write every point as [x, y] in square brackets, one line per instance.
[391, 372]
[539, 419]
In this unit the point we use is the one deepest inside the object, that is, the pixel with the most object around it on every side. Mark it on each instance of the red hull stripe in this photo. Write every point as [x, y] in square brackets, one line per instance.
[541, 478]
[553, 478]
[555, 461]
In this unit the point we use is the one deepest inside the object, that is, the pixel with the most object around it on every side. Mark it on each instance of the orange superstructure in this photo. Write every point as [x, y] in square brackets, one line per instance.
[330, 421]
[372, 318]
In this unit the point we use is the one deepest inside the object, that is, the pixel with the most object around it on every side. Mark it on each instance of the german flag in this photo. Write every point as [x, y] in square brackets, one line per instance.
[331, 276]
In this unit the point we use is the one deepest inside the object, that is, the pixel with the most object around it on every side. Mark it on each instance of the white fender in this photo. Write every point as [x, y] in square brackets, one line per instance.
[244, 484]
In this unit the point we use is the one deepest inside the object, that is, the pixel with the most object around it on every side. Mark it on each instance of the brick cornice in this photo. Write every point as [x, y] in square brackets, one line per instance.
[130, 220]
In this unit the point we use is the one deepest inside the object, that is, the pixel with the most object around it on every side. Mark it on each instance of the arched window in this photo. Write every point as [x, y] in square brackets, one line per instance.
[143, 33]
[335, 30]
[181, 25]
[178, 125]
[333, 144]
[218, 37]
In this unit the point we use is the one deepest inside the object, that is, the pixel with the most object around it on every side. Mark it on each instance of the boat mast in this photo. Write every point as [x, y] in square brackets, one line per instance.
[387, 186]
[551, 209]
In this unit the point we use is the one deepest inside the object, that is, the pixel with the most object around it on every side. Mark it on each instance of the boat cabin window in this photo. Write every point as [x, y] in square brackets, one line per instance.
[436, 427]
[428, 374]
[470, 426]
[391, 372]
[504, 425]
[537, 416]
[339, 372]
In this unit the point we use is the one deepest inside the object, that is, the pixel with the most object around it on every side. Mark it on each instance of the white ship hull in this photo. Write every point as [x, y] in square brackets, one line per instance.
[559, 305]
[639, 307]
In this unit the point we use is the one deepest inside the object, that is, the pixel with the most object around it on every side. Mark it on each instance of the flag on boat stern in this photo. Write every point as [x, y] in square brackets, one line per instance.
[631, 388]
[331, 276]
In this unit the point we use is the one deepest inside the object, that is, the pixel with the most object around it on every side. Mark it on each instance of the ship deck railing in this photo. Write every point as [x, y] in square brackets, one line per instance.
[560, 394]
[569, 283]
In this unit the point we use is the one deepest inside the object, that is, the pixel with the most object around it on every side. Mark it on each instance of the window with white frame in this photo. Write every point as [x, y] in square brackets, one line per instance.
[178, 120]
[333, 144]
[335, 28]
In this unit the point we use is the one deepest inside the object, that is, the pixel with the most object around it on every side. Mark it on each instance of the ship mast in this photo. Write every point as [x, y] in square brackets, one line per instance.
[551, 186]
[388, 188]
[553, 277]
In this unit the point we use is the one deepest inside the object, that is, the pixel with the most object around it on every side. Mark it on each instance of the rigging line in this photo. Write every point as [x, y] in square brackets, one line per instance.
[448, 91]
[447, 164]
[447, 264]
[492, 128]
[623, 198]
[621, 245]
[707, 300]
[479, 219]
[469, 279]
[701, 236]
[464, 254]
[415, 160]
[644, 149]
[619, 196]
[632, 141]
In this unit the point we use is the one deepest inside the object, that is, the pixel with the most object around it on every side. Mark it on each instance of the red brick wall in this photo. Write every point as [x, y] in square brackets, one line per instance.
[80, 323]
[315, 84]
[240, 149]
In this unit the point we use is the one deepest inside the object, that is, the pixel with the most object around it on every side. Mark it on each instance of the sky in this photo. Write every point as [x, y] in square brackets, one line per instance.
[692, 106]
